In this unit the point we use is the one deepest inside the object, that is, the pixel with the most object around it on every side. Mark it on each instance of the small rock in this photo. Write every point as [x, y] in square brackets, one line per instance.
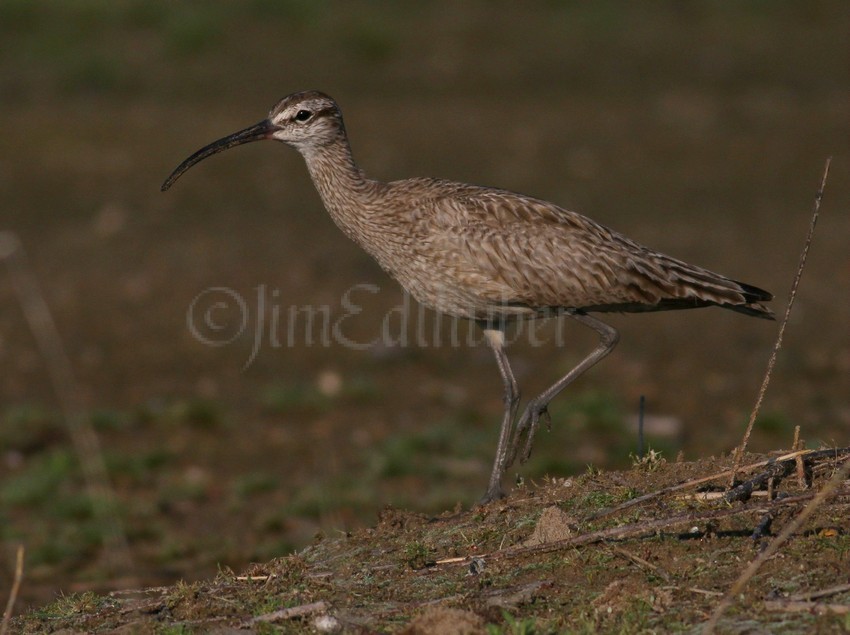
[327, 623]
[329, 383]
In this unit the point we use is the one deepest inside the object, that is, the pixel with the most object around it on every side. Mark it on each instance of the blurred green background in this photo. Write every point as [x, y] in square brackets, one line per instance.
[698, 128]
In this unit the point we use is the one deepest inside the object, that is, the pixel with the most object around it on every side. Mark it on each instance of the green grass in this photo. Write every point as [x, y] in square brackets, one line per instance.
[254, 483]
[66, 606]
[139, 468]
[198, 413]
[597, 411]
[109, 420]
[27, 428]
[40, 480]
[514, 626]
[776, 423]
[649, 462]
[415, 555]
[294, 398]
[594, 418]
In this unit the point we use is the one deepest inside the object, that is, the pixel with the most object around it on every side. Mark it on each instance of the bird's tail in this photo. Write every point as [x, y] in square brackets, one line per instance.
[754, 296]
[660, 283]
[703, 287]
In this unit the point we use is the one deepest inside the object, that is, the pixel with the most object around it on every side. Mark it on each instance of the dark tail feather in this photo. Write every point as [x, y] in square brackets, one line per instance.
[753, 296]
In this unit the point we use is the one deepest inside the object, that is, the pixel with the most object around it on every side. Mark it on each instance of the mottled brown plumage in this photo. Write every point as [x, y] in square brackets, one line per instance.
[487, 254]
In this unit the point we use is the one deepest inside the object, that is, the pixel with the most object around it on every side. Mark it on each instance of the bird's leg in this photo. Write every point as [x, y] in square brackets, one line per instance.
[537, 407]
[495, 336]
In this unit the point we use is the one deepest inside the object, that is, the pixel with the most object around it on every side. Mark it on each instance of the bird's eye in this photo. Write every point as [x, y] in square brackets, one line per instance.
[303, 115]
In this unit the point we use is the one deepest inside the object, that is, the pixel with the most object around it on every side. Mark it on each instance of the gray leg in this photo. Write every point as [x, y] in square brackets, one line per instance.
[537, 407]
[495, 336]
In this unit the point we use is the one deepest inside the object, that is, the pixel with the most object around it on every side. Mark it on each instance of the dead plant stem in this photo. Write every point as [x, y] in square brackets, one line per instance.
[739, 452]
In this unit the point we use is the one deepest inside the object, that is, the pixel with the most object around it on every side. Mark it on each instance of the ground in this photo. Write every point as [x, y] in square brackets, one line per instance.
[567, 555]
[699, 129]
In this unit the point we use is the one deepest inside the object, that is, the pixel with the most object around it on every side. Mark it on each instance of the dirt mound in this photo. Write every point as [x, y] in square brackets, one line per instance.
[653, 548]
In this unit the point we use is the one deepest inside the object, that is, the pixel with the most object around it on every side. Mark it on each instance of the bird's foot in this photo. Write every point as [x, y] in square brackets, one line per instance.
[528, 424]
[491, 496]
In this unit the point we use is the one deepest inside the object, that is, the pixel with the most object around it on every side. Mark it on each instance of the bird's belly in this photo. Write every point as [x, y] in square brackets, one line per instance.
[444, 282]
[452, 295]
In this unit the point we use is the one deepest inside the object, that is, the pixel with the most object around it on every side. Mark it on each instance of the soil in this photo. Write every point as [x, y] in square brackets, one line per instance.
[580, 555]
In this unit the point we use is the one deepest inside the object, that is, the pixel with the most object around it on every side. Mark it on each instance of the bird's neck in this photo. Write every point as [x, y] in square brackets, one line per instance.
[344, 189]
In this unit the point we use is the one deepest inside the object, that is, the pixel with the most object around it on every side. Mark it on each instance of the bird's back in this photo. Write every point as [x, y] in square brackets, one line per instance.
[483, 252]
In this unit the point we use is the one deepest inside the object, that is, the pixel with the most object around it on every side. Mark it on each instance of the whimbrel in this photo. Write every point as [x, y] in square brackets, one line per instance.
[487, 254]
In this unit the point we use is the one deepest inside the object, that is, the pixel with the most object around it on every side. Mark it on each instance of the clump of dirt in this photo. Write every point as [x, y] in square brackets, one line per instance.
[553, 526]
[652, 548]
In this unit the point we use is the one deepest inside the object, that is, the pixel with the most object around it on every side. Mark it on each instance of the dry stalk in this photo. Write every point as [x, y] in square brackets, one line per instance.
[814, 608]
[821, 593]
[635, 559]
[82, 433]
[291, 613]
[827, 491]
[739, 452]
[635, 529]
[693, 483]
[13, 594]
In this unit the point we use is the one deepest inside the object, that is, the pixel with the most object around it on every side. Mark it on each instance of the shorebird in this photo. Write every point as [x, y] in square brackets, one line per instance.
[488, 254]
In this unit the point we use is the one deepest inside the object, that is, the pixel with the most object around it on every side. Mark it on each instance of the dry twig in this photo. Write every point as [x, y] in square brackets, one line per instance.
[291, 613]
[827, 491]
[635, 529]
[13, 594]
[801, 467]
[713, 496]
[763, 528]
[628, 555]
[774, 472]
[815, 608]
[739, 452]
[694, 589]
[83, 436]
[162, 590]
[807, 454]
[821, 593]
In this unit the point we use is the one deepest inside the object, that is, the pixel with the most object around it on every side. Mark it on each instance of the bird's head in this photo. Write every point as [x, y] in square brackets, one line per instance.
[304, 120]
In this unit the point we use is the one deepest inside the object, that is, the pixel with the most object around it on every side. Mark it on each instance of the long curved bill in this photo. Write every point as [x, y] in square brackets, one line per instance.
[257, 132]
